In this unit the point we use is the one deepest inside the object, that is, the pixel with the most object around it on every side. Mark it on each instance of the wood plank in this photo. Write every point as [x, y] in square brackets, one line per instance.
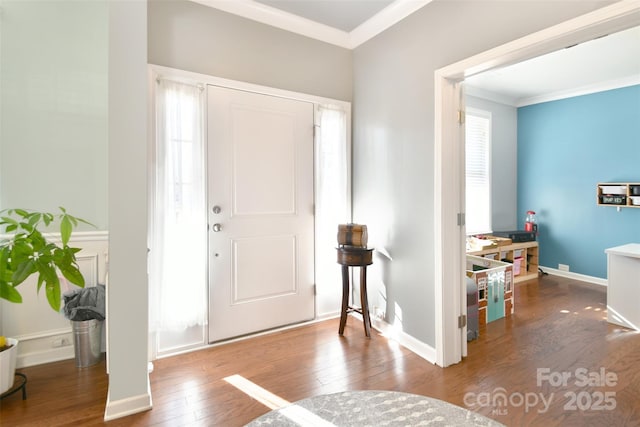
[559, 324]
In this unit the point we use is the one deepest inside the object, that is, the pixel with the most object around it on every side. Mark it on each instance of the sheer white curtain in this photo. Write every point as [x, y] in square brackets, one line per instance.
[178, 256]
[333, 200]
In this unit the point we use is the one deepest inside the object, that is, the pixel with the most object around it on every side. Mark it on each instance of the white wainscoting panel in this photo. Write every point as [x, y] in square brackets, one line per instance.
[45, 336]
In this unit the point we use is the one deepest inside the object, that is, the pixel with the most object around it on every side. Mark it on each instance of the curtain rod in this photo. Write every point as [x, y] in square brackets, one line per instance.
[161, 78]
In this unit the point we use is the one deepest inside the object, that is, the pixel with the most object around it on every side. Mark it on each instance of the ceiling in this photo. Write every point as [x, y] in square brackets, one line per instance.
[605, 63]
[601, 64]
[345, 15]
[345, 23]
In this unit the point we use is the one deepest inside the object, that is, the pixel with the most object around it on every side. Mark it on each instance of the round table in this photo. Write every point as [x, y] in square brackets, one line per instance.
[372, 408]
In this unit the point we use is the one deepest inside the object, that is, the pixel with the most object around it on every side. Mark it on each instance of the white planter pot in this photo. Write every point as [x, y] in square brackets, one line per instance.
[8, 365]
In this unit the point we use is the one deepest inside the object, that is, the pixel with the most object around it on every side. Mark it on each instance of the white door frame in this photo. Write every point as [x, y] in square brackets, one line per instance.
[158, 71]
[449, 149]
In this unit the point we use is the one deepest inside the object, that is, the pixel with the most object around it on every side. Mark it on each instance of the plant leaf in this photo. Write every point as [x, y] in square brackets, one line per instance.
[27, 252]
[73, 274]
[48, 271]
[53, 294]
[40, 282]
[9, 293]
[9, 220]
[24, 270]
[65, 229]
[34, 218]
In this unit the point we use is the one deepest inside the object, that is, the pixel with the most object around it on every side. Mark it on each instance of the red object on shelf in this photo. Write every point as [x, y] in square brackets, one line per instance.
[530, 223]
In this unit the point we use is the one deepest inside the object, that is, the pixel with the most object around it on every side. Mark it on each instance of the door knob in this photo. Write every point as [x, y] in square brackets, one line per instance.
[216, 228]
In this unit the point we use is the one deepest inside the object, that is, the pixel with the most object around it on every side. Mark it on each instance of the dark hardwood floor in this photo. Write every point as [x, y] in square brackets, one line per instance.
[559, 325]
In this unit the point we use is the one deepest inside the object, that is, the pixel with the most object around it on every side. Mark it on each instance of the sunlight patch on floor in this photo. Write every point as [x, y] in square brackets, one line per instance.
[263, 396]
[295, 413]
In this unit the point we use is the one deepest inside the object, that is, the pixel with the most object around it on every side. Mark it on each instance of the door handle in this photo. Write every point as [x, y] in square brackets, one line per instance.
[216, 228]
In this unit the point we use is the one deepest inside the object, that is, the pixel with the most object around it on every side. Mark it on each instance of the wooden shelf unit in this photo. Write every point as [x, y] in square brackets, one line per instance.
[627, 195]
[527, 251]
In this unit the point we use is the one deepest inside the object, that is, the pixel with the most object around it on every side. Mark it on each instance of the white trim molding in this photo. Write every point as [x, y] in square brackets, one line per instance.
[36, 349]
[579, 91]
[52, 340]
[90, 236]
[553, 96]
[576, 276]
[391, 15]
[414, 345]
[160, 72]
[259, 12]
[77, 236]
[280, 19]
[128, 406]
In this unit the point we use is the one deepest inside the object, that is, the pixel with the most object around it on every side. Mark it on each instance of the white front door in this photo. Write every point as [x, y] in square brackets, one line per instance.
[260, 210]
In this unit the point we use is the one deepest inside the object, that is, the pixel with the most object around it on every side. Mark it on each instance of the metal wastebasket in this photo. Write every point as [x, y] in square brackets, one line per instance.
[87, 338]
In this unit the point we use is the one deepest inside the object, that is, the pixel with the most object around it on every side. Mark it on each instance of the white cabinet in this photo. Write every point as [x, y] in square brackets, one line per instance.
[623, 285]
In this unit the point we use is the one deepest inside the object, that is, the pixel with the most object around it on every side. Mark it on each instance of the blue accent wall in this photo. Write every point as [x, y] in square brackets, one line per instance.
[565, 148]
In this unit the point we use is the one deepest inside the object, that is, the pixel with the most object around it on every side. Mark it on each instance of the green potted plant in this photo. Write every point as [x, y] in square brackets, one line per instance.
[26, 251]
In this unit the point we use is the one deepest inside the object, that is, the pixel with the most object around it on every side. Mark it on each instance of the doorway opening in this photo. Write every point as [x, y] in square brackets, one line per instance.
[451, 344]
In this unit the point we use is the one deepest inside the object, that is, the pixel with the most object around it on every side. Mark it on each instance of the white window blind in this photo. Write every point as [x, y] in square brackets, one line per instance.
[478, 171]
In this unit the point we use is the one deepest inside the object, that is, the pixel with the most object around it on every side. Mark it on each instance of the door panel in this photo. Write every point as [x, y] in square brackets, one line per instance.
[275, 160]
[260, 179]
[248, 283]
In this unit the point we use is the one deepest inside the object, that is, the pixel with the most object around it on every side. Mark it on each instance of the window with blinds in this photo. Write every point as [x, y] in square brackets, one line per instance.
[478, 171]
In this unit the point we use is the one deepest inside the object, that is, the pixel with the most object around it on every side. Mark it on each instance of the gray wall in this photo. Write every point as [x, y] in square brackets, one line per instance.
[193, 37]
[127, 291]
[53, 134]
[74, 119]
[393, 135]
[504, 162]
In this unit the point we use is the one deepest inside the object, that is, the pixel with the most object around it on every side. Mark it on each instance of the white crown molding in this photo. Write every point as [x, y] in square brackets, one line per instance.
[390, 15]
[489, 95]
[259, 12]
[553, 96]
[280, 19]
[582, 90]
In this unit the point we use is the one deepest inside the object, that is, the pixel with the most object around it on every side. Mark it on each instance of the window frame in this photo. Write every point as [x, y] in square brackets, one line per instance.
[487, 115]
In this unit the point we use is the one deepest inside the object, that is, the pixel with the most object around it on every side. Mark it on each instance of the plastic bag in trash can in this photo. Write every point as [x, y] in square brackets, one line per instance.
[85, 304]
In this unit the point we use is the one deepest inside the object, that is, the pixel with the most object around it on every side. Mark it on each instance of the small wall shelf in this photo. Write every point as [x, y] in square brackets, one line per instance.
[618, 194]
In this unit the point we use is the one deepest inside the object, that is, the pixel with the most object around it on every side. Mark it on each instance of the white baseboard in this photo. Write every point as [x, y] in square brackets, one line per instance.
[327, 316]
[45, 356]
[129, 406]
[576, 276]
[423, 350]
[36, 349]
